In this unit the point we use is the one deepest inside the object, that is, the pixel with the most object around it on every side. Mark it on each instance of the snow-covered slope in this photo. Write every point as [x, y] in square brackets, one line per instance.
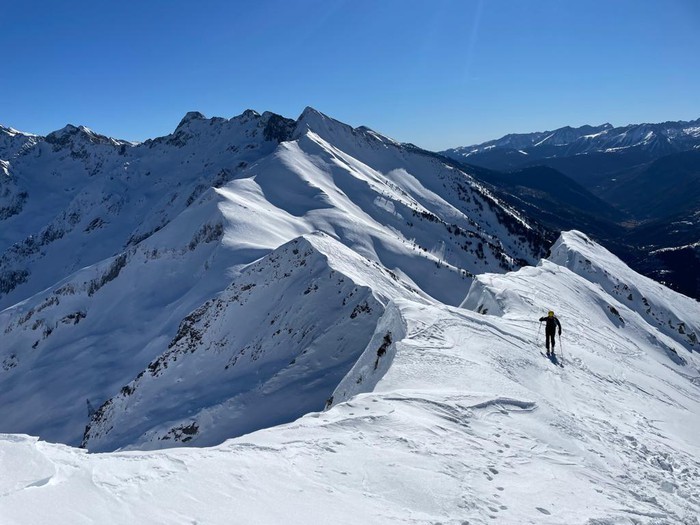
[409, 211]
[240, 273]
[269, 349]
[462, 420]
[102, 291]
[74, 198]
[671, 313]
[83, 339]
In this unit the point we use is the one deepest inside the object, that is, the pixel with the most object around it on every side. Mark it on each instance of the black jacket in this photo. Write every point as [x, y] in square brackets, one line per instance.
[552, 323]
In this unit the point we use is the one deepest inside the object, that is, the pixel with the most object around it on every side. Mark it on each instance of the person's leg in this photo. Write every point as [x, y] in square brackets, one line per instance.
[547, 335]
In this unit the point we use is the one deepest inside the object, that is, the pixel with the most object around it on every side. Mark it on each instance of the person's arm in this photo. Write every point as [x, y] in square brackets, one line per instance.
[559, 325]
[543, 319]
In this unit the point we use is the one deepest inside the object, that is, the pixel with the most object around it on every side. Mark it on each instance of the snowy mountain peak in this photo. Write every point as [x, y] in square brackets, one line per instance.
[70, 134]
[12, 132]
[66, 131]
[249, 114]
[273, 127]
[568, 134]
[313, 120]
[12, 142]
[310, 113]
[189, 117]
[336, 132]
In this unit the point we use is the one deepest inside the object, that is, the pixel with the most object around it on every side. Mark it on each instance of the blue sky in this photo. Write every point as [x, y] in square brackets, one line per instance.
[438, 73]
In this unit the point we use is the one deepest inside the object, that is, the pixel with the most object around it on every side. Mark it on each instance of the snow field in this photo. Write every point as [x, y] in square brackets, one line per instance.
[468, 424]
[228, 281]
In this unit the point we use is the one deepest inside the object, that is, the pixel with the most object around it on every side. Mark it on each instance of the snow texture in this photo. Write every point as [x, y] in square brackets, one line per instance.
[185, 226]
[465, 423]
[256, 320]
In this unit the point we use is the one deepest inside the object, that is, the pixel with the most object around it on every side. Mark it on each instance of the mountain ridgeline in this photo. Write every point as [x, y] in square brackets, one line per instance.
[133, 276]
[270, 313]
[638, 189]
[447, 413]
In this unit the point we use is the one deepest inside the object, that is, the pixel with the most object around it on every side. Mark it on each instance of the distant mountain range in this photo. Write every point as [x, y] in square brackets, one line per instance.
[648, 176]
[519, 150]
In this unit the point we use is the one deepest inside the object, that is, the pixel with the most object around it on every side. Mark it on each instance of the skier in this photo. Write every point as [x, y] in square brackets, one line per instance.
[550, 329]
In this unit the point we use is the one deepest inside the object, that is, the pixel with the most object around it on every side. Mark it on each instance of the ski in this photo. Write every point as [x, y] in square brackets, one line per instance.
[552, 359]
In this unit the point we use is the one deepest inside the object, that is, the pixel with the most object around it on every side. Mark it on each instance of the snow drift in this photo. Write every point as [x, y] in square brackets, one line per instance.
[469, 424]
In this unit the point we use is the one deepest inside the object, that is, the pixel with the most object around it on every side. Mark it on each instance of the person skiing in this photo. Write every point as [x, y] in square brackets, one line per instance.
[550, 329]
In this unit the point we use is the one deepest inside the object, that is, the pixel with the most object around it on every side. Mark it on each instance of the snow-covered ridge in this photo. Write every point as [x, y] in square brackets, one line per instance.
[14, 143]
[77, 197]
[671, 313]
[464, 421]
[695, 245]
[100, 272]
[79, 193]
[339, 134]
[240, 273]
[523, 141]
[273, 346]
[73, 135]
[92, 332]
[670, 316]
[13, 132]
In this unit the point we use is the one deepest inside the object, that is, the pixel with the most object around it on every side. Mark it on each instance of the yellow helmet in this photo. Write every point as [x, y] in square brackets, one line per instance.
[550, 314]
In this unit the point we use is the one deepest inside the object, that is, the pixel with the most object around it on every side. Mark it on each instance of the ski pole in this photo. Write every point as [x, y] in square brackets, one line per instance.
[562, 348]
[539, 330]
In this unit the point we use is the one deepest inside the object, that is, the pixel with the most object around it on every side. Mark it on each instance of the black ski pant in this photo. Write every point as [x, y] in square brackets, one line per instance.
[547, 337]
